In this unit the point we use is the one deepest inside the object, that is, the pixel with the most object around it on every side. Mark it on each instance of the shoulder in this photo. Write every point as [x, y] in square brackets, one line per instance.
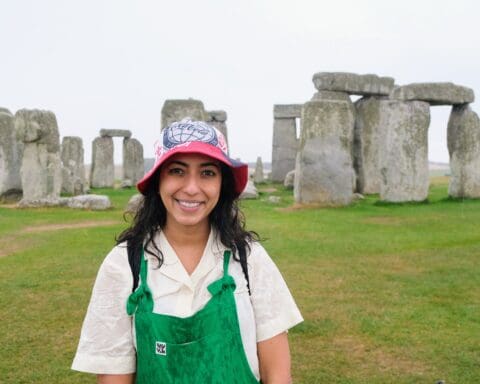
[115, 268]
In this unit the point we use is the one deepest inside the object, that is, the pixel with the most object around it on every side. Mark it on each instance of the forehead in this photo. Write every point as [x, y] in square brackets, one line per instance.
[192, 159]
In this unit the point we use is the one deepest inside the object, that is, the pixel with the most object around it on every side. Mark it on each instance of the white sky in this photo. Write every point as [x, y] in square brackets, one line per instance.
[113, 63]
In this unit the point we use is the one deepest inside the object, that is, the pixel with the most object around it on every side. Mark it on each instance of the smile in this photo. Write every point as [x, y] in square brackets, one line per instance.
[188, 204]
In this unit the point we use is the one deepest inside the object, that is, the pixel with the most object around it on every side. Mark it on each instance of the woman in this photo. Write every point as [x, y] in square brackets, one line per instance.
[187, 295]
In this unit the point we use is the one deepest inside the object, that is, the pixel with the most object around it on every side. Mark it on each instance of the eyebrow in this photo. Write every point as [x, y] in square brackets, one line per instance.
[209, 163]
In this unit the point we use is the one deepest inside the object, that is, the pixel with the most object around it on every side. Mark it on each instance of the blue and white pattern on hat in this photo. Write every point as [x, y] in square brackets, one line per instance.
[188, 131]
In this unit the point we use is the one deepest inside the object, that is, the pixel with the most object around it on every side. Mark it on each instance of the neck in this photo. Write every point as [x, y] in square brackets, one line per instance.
[182, 235]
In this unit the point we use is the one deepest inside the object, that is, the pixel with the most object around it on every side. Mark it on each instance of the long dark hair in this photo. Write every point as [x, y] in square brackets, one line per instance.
[151, 216]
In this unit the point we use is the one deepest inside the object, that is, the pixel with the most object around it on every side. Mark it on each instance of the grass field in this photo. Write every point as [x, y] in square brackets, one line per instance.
[390, 293]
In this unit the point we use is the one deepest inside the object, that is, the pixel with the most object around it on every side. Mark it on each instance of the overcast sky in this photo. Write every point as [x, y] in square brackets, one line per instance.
[112, 63]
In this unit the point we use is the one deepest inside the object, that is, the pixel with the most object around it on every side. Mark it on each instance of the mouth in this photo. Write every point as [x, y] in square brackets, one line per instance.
[188, 204]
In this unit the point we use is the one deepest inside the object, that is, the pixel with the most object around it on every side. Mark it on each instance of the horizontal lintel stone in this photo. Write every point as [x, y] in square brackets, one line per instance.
[287, 111]
[434, 93]
[115, 133]
[353, 83]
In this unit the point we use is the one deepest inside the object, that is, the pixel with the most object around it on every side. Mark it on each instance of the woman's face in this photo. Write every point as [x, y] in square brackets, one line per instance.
[189, 188]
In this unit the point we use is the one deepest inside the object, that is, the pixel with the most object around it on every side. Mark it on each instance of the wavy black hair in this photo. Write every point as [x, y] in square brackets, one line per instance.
[151, 216]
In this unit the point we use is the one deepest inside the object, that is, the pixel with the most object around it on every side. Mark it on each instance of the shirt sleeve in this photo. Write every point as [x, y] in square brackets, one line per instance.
[106, 342]
[274, 307]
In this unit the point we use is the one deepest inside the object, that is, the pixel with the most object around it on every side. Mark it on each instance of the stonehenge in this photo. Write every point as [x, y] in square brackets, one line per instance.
[11, 152]
[73, 170]
[378, 145]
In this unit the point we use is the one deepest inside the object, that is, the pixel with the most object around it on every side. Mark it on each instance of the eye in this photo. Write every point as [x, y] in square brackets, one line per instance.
[176, 171]
[209, 172]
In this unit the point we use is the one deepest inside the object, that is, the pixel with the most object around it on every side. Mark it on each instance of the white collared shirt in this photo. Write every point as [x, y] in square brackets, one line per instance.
[107, 341]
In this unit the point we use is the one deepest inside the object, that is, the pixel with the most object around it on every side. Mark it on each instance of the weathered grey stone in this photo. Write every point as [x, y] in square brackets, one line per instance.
[102, 168]
[73, 171]
[115, 133]
[220, 116]
[133, 167]
[250, 191]
[284, 148]
[289, 181]
[176, 110]
[93, 202]
[39, 203]
[41, 170]
[11, 152]
[218, 120]
[258, 175]
[404, 151]
[331, 95]
[434, 93]
[274, 199]
[324, 168]
[352, 83]
[134, 204]
[464, 148]
[368, 139]
[287, 111]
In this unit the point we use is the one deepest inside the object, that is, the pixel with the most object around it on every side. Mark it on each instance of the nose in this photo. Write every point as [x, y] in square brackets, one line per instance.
[191, 185]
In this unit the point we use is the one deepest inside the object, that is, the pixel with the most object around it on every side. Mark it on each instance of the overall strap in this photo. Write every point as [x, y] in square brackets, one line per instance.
[226, 260]
[142, 296]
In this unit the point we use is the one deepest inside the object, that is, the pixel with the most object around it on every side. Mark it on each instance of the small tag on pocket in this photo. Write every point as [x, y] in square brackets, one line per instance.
[161, 348]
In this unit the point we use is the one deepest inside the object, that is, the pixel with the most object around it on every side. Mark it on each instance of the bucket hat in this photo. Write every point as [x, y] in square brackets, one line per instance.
[189, 136]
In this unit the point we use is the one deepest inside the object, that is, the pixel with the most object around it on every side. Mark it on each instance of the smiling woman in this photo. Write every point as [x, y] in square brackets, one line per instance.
[188, 295]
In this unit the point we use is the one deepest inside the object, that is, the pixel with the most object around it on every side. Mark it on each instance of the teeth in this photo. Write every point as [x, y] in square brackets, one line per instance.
[189, 204]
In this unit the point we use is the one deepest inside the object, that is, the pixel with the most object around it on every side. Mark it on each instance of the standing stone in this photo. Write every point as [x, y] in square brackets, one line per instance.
[404, 155]
[368, 138]
[102, 169]
[133, 167]
[285, 142]
[324, 169]
[258, 177]
[41, 169]
[218, 120]
[176, 110]
[463, 141]
[11, 150]
[73, 171]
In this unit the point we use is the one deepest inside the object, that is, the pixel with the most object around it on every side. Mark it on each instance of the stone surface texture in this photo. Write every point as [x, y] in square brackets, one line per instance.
[133, 166]
[258, 176]
[250, 191]
[73, 170]
[102, 168]
[331, 95]
[218, 119]
[284, 148]
[115, 133]
[404, 151]
[289, 181]
[92, 202]
[463, 140]
[368, 138]
[324, 171]
[41, 170]
[287, 111]
[353, 84]
[176, 110]
[434, 93]
[11, 152]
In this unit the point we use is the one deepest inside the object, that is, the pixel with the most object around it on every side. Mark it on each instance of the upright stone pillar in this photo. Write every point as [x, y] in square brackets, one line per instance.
[404, 155]
[258, 176]
[218, 120]
[41, 169]
[324, 169]
[285, 142]
[73, 171]
[10, 157]
[368, 138]
[102, 169]
[463, 141]
[176, 110]
[133, 166]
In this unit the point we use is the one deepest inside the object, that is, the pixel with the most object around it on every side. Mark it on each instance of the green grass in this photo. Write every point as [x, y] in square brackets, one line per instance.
[390, 293]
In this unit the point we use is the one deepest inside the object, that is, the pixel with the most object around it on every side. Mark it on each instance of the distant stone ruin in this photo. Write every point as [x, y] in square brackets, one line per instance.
[377, 145]
[41, 170]
[73, 171]
[102, 168]
[11, 152]
[176, 110]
